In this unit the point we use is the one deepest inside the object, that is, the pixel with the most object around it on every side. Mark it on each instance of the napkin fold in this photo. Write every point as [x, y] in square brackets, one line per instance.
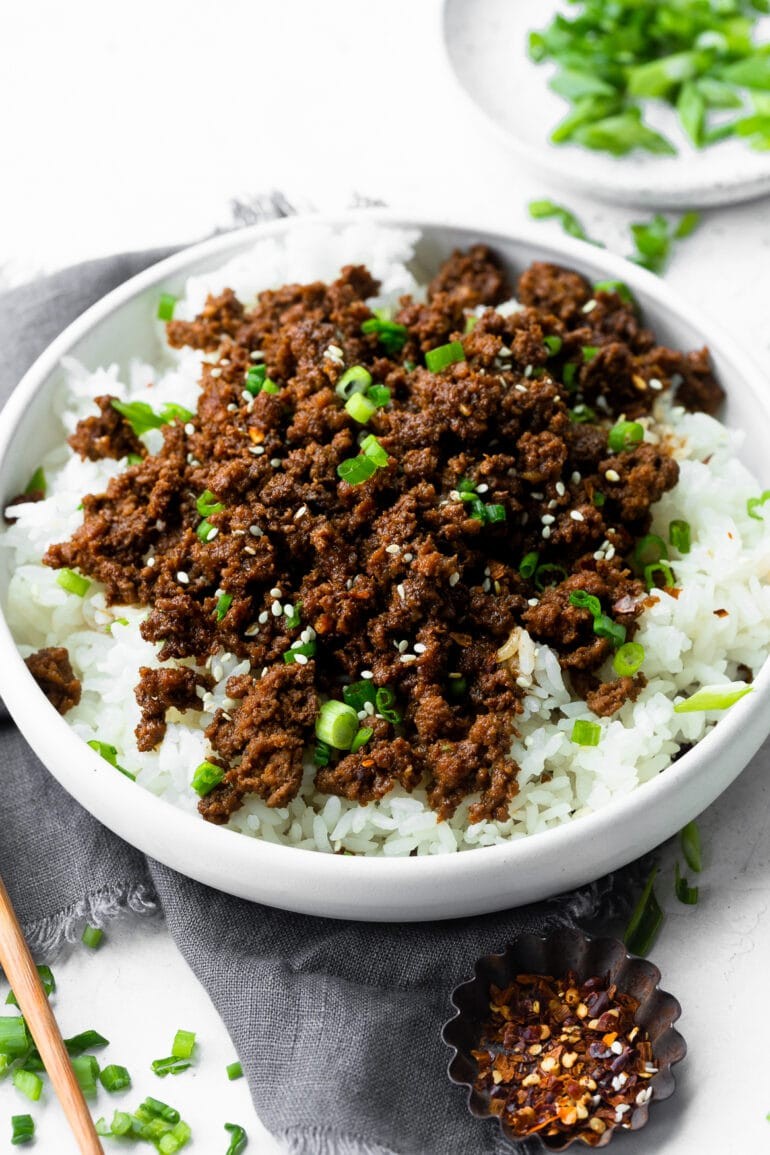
[337, 1024]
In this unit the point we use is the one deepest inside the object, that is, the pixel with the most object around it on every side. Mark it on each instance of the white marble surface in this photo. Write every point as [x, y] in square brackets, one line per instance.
[133, 126]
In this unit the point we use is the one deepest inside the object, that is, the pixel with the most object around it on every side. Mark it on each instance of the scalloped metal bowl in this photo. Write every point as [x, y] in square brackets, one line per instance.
[555, 954]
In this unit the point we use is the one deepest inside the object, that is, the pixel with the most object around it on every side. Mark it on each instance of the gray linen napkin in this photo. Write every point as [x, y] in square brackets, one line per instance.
[337, 1024]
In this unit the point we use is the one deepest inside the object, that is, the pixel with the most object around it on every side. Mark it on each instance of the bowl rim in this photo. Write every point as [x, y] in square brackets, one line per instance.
[153, 816]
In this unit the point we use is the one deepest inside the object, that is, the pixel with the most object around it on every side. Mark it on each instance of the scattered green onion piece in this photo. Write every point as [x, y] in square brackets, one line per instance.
[238, 1141]
[586, 733]
[691, 848]
[444, 355]
[470, 323]
[169, 1066]
[295, 617]
[336, 724]
[46, 978]
[257, 381]
[37, 484]
[13, 1036]
[102, 1128]
[605, 627]
[646, 920]
[718, 697]
[662, 568]
[160, 1110]
[682, 889]
[234, 1071]
[171, 412]
[528, 564]
[457, 687]
[4, 1065]
[545, 209]
[755, 503]
[306, 649]
[618, 287]
[206, 531]
[679, 535]
[73, 583]
[142, 417]
[114, 1078]
[691, 108]
[553, 344]
[585, 601]
[224, 601]
[379, 395]
[92, 937]
[356, 379]
[688, 223]
[85, 1041]
[206, 777]
[322, 754]
[494, 513]
[648, 550]
[355, 470]
[360, 408]
[549, 574]
[121, 1123]
[589, 352]
[385, 703]
[134, 458]
[183, 1045]
[23, 1127]
[361, 738]
[628, 659]
[166, 306]
[357, 694]
[110, 754]
[598, 498]
[374, 451]
[582, 415]
[28, 1083]
[477, 510]
[568, 375]
[625, 435]
[208, 504]
[390, 334]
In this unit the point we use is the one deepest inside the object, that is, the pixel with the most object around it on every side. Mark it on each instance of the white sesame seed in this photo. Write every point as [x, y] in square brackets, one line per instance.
[576, 478]
[231, 408]
[644, 1096]
[216, 372]
[408, 557]
[454, 495]
[288, 609]
[255, 531]
[547, 519]
[546, 531]
[150, 562]
[393, 548]
[528, 371]
[655, 384]
[160, 526]
[367, 675]
[454, 578]
[537, 496]
[189, 428]
[400, 591]
[599, 555]
[212, 533]
[247, 397]
[406, 658]
[486, 585]
[252, 630]
[576, 515]
[419, 648]
[250, 551]
[300, 512]
[533, 601]
[483, 488]
[275, 462]
[361, 715]
[300, 659]
[520, 388]
[182, 578]
[257, 450]
[402, 646]
[308, 634]
[275, 592]
[369, 708]
[263, 617]
[552, 504]
[561, 488]
[617, 1048]
[609, 553]
[589, 306]
[256, 354]
[276, 610]
[217, 671]
[612, 475]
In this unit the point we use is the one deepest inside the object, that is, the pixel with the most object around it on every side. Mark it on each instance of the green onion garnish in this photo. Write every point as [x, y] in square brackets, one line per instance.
[568, 376]
[646, 919]
[549, 574]
[589, 352]
[390, 334]
[477, 509]
[206, 531]
[92, 937]
[494, 512]
[648, 550]
[372, 448]
[719, 697]
[605, 627]
[586, 733]
[13, 1036]
[257, 381]
[183, 1044]
[444, 355]
[234, 1071]
[37, 484]
[306, 649]
[208, 504]
[28, 1083]
[169, 1066]
[85, 1041]
[618, 287]
[73, 583]
[134, 458]
[585, 601]
[206, 777]
[679, 535]
[23, 1129]
[46, 978]
[360, 408]
[385, 702]
[651, 575]
[355, 470]
[295, 617]
[110, 754]
[356, 379]
[628, 659]
[625, 435]
[361, 738]
[160, 1110]
[239, 1139]
[582, 415]
[114, 1078]
[683, 891]
[142, 417]
[322, 754]
[457, 687]
[166, 305]
[545, 209]
[379, 395]
[224, 601]
[598, 498]
[336, 724]
[755, 503]
[553, 344]
[175, 1139]
[357, 694]
[690, 839]
[121, 1123]
[528, 564]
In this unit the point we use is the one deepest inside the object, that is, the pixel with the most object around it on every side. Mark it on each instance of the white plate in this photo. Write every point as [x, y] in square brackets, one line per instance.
[122, 326]
[486, 43]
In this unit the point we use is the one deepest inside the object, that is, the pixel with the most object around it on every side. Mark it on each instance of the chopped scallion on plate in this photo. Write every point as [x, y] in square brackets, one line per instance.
[719, 697]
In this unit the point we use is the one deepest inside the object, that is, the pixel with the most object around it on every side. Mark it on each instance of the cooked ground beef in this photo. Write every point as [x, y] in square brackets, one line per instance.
[51, 669]
[108, 435]
[409, 579]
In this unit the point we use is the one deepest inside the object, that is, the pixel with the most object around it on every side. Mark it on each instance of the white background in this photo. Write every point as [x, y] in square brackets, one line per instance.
[136, 125]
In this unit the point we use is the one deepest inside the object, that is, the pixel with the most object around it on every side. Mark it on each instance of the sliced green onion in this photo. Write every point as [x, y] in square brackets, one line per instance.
[568, 376]
[598, 498]
[224, 601]
[121, 1123]
[390, 334]
[46, 978]
[171, 412]
[208, 504]
[23, 1127]
[306, 649]
[355, 470]
[457, 687]
[92, 937]
[718, 697]
[605, 627]
[582, 415]
[688, 223]
[553, 344]
[166, 305]
[134, 458]
[379, 395]
[549, 574]
[679, 535]
[495, 512]
[336, 724]
[755, 503]
[85, 1041]
[585, 601]
[257, 381]
[110, 754]
[628, 659]
[234, 1071]
[239, 1139]
[662, 568]
[471, 322]
[646, 920]
[477, 510]
[37, 484]
[545, 209]
[206, 531]
[295, 617]
[183, 1044]
[618, 287]
[528, 564]
[373, 450]
[385, 702]
[360, 408]
[444, 355]
[322, 754]
[114, 1078]
[586, 733]
[13, 1036]
[361, 738]
[73, 583]
[28, 1083]
[690, 839]
[648, 550]
[169, 1066]
[589, 352]
[682, 889]
[160, 1110]
[175, 1139]
[206, 777]
[625, 435]
[142, 417]
[357, 694]
[356, 379]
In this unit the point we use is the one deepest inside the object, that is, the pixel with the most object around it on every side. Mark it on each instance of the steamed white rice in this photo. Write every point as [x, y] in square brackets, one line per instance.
[686, 644]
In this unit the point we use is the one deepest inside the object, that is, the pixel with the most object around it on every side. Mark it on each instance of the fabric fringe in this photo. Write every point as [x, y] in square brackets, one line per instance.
[47, 937]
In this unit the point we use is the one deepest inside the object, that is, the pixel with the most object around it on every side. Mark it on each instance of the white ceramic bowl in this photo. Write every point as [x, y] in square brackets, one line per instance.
[443, 886]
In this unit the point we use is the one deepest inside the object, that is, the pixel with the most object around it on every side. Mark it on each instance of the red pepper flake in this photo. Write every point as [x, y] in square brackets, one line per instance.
[721, 613]
[560, 1058]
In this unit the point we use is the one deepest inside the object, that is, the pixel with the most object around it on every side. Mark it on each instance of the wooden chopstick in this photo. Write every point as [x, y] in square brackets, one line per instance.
[21, 972]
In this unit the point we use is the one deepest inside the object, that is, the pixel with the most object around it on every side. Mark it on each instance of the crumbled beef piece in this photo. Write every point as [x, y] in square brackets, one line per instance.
[608, 697]
[51, 669]
[160, 690]
[636, 479]
[221, 317]
[555, 290]
[692, 377]
[371, 772]
[476, 272]
[108, 435]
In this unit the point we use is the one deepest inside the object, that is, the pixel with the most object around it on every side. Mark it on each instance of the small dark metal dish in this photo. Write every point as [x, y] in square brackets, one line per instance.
[554, 954]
